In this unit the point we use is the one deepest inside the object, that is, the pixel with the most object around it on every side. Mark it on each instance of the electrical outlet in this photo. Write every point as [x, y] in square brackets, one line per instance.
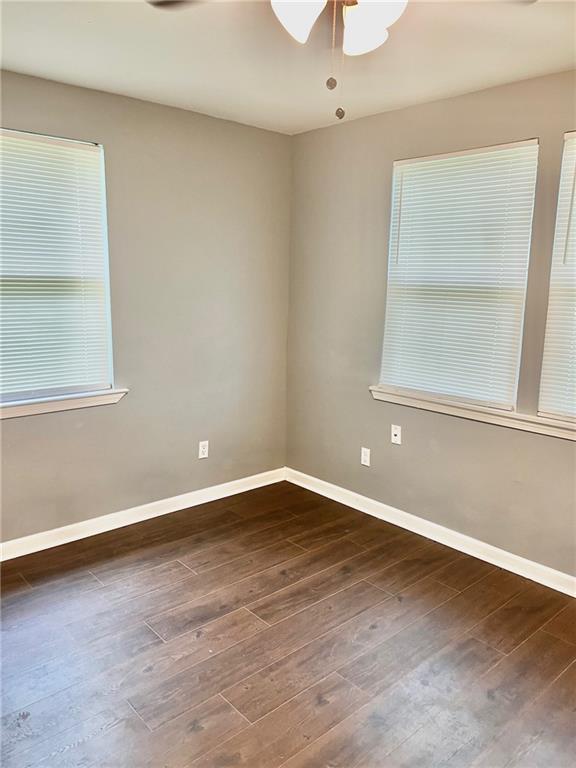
[396, 434]
[203, 449]
[365, 457]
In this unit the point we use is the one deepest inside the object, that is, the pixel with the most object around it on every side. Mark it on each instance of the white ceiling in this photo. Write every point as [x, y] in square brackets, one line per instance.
[233, 59]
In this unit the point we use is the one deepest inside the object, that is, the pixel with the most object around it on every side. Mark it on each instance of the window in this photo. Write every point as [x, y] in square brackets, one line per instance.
[457, 272]
[55, 317]
[558, 383]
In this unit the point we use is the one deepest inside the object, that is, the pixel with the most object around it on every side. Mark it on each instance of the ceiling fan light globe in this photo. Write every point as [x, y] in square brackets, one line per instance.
[298, 16]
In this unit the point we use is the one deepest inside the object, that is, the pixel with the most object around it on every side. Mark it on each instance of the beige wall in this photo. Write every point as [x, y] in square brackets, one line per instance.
[198, 214]
[513, 489]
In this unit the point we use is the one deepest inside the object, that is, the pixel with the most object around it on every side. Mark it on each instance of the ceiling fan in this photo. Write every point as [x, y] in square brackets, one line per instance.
[365, 22]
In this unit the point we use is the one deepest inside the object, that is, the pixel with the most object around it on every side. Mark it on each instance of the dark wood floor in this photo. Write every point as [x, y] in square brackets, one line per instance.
[277, 628]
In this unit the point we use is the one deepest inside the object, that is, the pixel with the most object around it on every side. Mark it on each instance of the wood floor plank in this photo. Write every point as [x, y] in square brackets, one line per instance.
[443, 661]
[86, 729]
[289, 729]
[55, 590]
[174, 746]
[319, 537]
[257, 695]
[37, 643]
[317, 504]
[282, 489]
[381, 667]
[125, 737]
[507, 627]
[22, 688]
[169, 659]
[423, 695]
[277, 503]
[544, 736]
[237, 547]
[563, 625]
[174, 696]
[12, 583]
[247, 508]
[31, 726]
[129, 612]
[145, 537]
[464, 571]
[163, 530]
[187, 592]
[192, 734]
[50, 572]
[134, 562]
[91, 553]
[149, 580]
[467, 724]
[10, 567]
[286, 492]
[193, 614]
[109, 545]
[36, 617]
[425, 560]
[304, 593]
[507, 584]
[376, 535]
[56, 559]
[35, 628]
[63, 608]
[387, 720]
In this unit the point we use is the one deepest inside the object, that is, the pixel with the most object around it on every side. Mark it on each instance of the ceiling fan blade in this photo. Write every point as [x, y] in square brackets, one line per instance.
[171, 4]
[298, 16]
[366, 24]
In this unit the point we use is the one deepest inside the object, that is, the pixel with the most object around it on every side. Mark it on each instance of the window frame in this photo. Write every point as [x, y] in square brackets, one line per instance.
[569, 136]
[463, 407]
[71, 398]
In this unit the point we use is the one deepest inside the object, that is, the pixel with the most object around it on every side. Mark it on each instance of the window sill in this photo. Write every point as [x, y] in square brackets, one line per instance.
[64, 403]
[542, 426]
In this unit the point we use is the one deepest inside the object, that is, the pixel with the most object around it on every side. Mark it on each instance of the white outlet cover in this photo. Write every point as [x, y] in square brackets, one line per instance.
[203, 447]
[365, 457]
[396, 434]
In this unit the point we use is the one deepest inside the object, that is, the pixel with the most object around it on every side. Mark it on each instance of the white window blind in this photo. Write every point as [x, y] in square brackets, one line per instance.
[54, 313]
[558, 382]
[458, 263]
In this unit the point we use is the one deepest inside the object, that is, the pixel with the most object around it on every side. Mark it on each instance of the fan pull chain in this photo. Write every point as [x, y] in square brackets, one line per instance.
[340, 111]
[334, 11]
[331, 83]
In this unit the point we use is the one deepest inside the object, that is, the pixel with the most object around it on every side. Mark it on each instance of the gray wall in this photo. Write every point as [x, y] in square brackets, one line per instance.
[513, 489]
[199, 230]
[199, 216]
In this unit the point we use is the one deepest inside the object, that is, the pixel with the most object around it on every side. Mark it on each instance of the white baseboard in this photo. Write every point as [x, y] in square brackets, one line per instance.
[46, 539]
[562, 582]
